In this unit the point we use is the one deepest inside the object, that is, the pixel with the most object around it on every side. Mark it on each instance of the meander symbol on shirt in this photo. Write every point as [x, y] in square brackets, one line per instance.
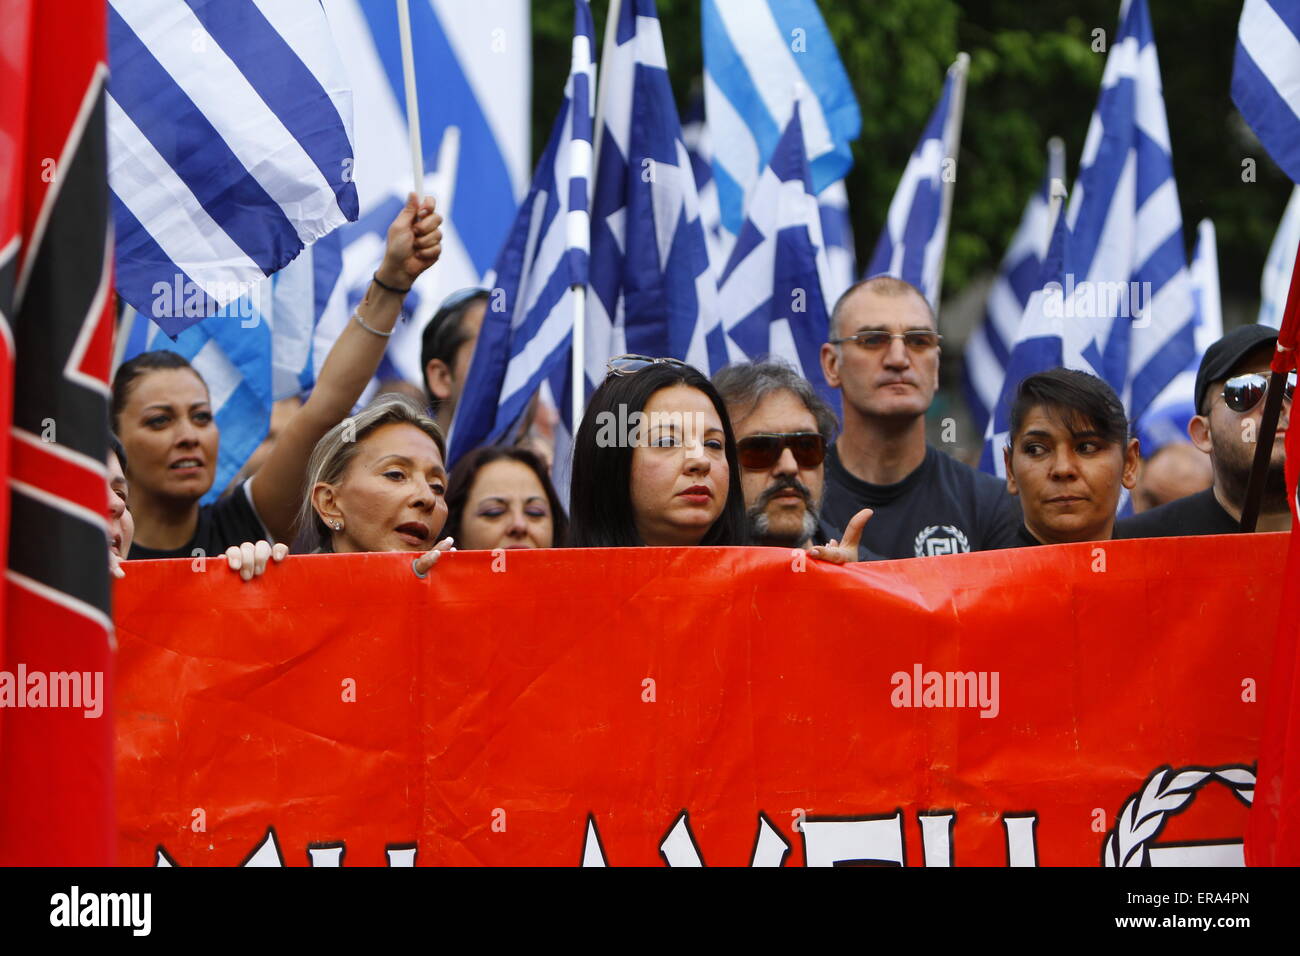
[940, 539]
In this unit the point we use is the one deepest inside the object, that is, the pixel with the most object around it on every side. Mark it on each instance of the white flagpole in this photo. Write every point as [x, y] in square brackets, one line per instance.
[1055, 203]
[578, 391]
[412, 104]
[1056, 158]
[960, 67]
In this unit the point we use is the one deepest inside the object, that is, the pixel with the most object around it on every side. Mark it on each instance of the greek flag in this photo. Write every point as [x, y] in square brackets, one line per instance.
[473, 74]
[760, 57]
[989, 346]
[699, 147]
[1166, 419]
[1276, 280]
[771, 291]
[653, 290]
[833, 203]
[1050, 334]
[1130, 268]
[229, 136]
[540, 274]
[911, 246]
[837, 232]
[1266, 77]
[254, 351]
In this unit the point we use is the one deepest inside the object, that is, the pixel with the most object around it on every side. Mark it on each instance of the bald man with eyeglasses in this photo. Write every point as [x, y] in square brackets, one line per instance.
[883, 356]
[1231, 384]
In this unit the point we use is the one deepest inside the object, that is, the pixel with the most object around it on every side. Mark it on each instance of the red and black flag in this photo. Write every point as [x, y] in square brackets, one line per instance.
[1273, 835]
[56, 768]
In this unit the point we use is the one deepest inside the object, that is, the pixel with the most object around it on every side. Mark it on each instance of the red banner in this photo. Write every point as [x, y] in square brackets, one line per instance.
[1076, 705]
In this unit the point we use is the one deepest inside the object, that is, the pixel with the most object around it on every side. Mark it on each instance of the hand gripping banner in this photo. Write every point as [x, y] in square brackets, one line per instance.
[1074, 705]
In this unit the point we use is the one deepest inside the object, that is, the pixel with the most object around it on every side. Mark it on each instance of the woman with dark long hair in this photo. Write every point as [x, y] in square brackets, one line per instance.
[499, 496]
[654, 461]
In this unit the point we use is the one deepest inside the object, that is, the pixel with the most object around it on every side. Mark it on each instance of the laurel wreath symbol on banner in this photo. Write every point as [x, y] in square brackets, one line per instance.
[1166, 792]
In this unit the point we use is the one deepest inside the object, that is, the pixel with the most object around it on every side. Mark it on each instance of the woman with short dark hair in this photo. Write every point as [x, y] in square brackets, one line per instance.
[654, 461]
[1068, 456]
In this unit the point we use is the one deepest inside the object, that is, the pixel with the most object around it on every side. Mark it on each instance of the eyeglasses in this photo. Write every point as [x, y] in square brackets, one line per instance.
[1241, 393]
[760, 452]
[621, 365]
[918, 340]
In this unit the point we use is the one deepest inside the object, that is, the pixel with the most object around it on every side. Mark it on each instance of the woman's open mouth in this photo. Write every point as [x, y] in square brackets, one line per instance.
[414, 533]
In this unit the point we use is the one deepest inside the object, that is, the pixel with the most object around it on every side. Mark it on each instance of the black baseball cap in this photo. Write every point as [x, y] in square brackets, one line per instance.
[1221, 358]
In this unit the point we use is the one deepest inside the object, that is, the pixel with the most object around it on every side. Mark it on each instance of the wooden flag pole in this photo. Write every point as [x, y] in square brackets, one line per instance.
[412, 104]
[1273, 403]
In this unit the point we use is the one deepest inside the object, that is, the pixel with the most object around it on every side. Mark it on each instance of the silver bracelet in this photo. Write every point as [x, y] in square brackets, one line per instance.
[362, 322]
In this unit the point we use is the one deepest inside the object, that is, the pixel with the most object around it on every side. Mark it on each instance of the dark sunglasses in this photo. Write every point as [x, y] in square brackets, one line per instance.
[761, 452]
[918, 340]
[621, 365]
[1241, 393]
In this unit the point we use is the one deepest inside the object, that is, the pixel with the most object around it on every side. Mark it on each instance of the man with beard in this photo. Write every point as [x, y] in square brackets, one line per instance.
[782, 431]
[1230, 388]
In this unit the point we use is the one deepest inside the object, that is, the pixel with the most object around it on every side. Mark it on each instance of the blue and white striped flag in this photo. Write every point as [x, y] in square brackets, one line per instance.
[1276, 278]
[760, 57]
[1050, 334]
[699, 147]
[837, 231]
[1130, 266]
[1166, 418]
[527, 331]
[772, 290]
[652, 290]
[989, 345]
[255, 351]
[911, 246]
[473, 74]
[229, 135]
[1266, 77]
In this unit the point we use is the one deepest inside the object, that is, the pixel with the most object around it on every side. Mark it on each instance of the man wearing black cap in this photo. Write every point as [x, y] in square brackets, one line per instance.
[447, 347]
[1230, 388]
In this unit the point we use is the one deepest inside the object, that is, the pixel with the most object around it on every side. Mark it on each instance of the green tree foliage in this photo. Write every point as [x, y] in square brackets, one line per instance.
[1035, 73]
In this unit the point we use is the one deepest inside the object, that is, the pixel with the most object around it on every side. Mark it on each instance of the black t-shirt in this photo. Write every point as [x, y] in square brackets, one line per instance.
[231, 520]
[942, 507]
[1024, 538]
[1200, 513]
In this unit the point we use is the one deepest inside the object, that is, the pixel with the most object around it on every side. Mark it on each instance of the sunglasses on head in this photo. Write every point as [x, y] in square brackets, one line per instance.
[761, 452]
[621, 365]
[1241, 393]
[873, 340]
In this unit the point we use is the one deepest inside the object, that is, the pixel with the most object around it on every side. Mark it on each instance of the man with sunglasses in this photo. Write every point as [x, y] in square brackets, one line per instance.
[883, 356]
[782, 429]
[1230, 387]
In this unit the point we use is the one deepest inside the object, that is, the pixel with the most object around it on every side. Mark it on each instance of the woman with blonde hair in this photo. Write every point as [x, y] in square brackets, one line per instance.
[377, 482]
[164, 415]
